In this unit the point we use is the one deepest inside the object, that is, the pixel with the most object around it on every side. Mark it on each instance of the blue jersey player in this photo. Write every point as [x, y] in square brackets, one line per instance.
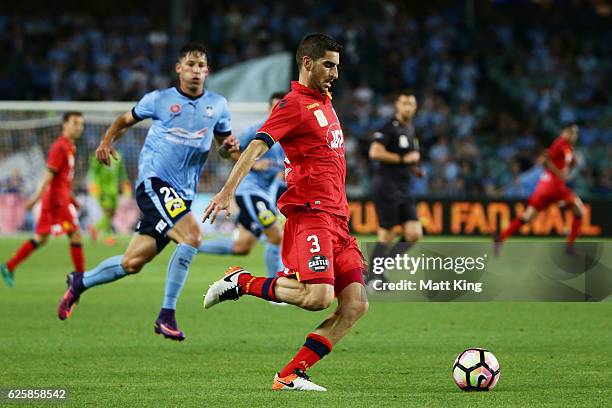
[185, 120]
[256, 198]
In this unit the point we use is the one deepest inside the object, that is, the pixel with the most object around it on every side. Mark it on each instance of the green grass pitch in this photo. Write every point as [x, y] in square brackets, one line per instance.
[400, 354]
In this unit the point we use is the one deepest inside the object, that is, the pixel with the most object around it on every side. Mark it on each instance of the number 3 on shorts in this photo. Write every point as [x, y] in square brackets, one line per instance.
[314, 240]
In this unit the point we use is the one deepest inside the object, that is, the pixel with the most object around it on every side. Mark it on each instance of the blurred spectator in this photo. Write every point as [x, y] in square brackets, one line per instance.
[491, 95]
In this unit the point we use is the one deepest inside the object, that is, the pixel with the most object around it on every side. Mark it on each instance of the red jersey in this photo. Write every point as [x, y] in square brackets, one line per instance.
[561, 154]
[61, 163]
[305, 124]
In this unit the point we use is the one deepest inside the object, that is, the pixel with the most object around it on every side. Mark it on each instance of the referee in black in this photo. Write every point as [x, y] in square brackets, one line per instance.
[395, 158]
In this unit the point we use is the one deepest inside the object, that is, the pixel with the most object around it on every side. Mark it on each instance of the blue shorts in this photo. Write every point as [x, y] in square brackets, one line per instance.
[161, 207]
[256, 213]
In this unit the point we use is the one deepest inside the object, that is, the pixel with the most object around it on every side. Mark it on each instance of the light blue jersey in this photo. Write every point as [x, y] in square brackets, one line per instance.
[178, 142]
[261, 182]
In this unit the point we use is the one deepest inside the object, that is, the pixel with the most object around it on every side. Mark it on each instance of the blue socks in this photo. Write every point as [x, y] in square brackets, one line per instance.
[108, 270]
[273, 259]
[178, 269]
[222, 246]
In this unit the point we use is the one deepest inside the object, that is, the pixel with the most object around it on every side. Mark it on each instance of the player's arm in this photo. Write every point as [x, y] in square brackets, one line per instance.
[120, 125]
[380, 153]
[222, 200]
[548, 164]
[228, 145]
[47, 177]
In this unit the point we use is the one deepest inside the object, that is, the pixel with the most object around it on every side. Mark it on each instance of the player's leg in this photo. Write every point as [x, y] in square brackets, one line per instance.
[578, 210]
[108, 204]
[543, 196]
[7, 270]
[149, 240]
[247, 228]
[533, 207]
[76, 250]
[141, 249]
[67, 217]
[43, 229]
[274, 262]
[264, 212]
[352, 305]
[242, 243]
[412, 230]
[186, 233]
[388, 215]
[308, 253]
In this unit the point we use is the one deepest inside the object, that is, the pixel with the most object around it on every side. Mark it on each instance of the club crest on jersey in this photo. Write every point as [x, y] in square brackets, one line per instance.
[318, 263]
[335, 139]
[175, 108]
[209, 111]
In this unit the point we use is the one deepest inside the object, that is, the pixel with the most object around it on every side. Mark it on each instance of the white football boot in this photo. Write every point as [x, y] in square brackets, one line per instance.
[224, 289]
[298, 381]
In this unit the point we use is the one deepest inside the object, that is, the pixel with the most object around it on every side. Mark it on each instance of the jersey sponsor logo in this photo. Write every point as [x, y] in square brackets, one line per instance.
[183, 136]
[175, 108]
[161, 225]
[175, 207]
[318, 263]
[321, 118]
[313, 105]
[266, 216]
[335, 139]
[403, 142]
[209, 111]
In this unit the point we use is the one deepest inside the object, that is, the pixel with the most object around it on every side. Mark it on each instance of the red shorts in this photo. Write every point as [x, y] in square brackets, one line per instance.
[548, 192]
[317, 248]
[57, 219]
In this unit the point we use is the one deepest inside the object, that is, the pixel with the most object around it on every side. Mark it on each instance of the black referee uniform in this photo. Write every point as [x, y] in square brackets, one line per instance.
[391, 182]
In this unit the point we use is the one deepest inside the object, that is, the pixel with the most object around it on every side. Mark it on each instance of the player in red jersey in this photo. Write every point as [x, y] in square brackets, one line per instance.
[321, 258]
[58, 213]
[557, 162]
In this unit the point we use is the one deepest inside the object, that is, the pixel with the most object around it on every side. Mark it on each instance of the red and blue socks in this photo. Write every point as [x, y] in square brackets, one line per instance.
[511, 230]
[315, 348]
[78, 259]
[258, 286]
[24, 251]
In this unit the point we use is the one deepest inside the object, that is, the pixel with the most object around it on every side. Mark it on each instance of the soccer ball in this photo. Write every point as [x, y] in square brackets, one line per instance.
[476, 369]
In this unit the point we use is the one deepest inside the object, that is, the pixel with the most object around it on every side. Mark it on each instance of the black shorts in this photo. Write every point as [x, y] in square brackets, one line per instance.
[393, 206]
[161, 207]
[256, 213]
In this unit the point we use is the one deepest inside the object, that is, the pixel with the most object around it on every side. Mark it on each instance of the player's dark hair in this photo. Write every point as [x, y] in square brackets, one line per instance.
[276, 95]
[404, 92]
[315, 46]
[67, 115]
[192, 47]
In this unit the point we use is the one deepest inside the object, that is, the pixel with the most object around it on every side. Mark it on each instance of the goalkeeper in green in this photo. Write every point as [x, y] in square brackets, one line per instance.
[105, 183]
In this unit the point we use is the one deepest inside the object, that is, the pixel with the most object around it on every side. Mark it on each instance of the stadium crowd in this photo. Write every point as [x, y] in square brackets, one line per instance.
[493, 84]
